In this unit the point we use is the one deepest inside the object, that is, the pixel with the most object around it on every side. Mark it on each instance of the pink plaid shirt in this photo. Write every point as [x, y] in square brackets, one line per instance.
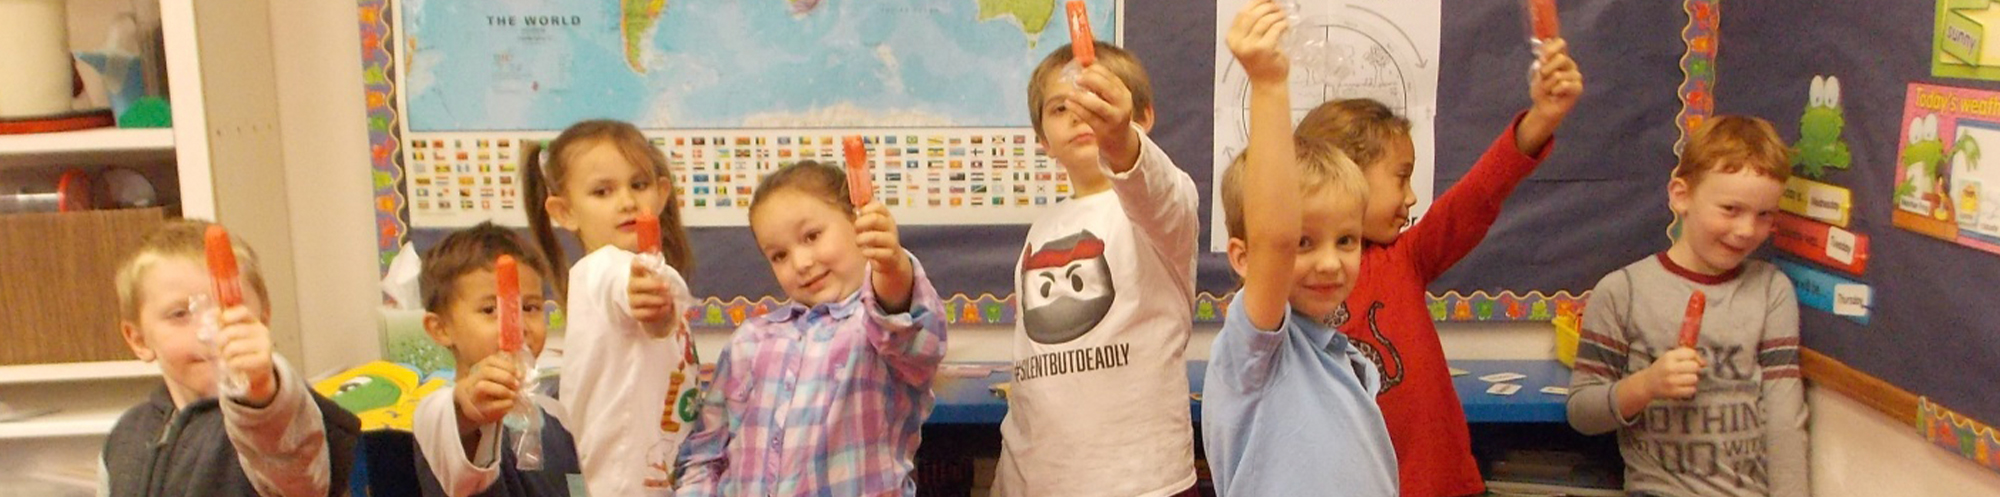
[821, 401]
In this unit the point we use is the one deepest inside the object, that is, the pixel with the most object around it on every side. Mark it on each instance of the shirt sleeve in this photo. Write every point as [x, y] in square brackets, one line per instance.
[1243, 356]
[1458, 220]
[282, 446]
[458, 473]
[1783, 398]
[912, 342]
[1159, 198]
[703, 458]
[1601, 356]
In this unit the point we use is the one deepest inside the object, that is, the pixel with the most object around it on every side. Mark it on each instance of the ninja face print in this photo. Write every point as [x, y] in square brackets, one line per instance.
[1065, 288]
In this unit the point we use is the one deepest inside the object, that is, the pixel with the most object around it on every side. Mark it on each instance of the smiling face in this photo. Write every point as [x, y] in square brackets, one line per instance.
[1066, 288]
[1726, 216]
[810, 245]
[1329, 258]
[166, 330]
[1389, 193]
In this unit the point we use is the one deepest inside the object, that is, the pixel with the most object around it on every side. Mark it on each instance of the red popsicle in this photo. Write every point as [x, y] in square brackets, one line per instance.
[860, 186]
[648, 230]
[222, 267]
[1082, 44]
[507, 275]
[1691, 324]
[1542, 14]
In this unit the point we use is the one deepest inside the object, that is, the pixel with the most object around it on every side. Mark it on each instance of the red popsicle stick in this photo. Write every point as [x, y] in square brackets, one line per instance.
[860, 185]
[1691, 324]
[1543, 14]
[222, 267]
[649, 234]
[507, 273]
[1083, 46]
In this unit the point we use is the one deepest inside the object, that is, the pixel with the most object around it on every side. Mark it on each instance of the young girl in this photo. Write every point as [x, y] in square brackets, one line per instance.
[827, 395]
[628, 360]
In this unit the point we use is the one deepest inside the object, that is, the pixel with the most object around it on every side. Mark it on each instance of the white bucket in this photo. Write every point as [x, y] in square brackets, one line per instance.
[35, 68]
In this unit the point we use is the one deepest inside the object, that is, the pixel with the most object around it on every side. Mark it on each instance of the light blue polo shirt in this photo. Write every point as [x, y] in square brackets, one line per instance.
[1293, 412]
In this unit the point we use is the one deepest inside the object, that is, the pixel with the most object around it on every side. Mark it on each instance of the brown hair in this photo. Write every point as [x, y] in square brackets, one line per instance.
[823, 181]
[543, 177]
[1359, 127]
[1323, 170]
[1121, 62]
[182, 239]
[1730, 143]
[468, 250]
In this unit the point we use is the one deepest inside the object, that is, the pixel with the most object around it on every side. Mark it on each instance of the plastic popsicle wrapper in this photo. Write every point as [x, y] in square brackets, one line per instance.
[1691, 324]
[860, 185]
[507, 273]
[649, 234]
[1542, 19]
[1082, 43]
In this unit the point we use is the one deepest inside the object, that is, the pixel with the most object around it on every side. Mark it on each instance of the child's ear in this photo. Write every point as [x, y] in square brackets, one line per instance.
[136, 339]
[1239, 257]
[1145, 118]
[1680, 196]
[558, 209]
[434, 326]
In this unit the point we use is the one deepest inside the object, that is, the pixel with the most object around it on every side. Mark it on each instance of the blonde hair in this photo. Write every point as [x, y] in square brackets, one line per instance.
[184, 239]
[1121, 62]
[1323, 170]
[1730, 143]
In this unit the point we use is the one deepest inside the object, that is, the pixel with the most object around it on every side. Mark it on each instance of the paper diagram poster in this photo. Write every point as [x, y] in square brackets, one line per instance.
[1386, 50]
[732, 90]
[1945, 187]
[1966, 40]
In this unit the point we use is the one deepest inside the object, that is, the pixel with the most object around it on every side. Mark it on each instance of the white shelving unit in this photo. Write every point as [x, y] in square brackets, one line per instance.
[224, 150]
[89, 141]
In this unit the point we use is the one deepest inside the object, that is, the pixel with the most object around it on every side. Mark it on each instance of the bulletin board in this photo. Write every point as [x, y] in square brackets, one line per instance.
[1541, 256]
[1887, 226]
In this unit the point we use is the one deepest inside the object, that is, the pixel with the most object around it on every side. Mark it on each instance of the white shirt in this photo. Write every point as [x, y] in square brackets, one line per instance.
[631, 397]
[1100, 403]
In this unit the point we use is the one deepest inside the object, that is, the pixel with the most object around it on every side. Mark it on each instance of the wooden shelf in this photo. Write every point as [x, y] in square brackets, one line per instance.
[77, 371]
[89, 141]
[94, 421]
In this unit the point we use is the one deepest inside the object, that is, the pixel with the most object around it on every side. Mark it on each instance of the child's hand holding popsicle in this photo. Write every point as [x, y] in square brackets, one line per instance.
[241, 341]
[652, 302]
[875, 231]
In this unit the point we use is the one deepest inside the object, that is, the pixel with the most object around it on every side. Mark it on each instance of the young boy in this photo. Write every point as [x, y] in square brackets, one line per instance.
[276, 438]
[1392, 324]
[1106, 280]
[461, 447]
[1289, 403]
[1726, 416]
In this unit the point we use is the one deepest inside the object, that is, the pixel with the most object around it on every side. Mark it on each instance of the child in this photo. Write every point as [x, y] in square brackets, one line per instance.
[1728, 415]
[1106, 280]
[628, 365]
[1392, 324]
[461, 448]
[828, 394]
[1289, 403]
[277, 438]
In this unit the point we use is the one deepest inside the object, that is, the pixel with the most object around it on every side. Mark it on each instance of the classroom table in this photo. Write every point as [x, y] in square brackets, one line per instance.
[970, 401]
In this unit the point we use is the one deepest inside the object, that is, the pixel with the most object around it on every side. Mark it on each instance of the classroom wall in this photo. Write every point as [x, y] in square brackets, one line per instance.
[1857, 451]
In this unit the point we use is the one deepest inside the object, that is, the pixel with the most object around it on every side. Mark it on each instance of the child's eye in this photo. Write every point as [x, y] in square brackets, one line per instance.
[1349, 241]
[1305, 243]
[531, 307]
[776, 257]
[812, 236]
[600, 192]
[488, 309]
[641, 185]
